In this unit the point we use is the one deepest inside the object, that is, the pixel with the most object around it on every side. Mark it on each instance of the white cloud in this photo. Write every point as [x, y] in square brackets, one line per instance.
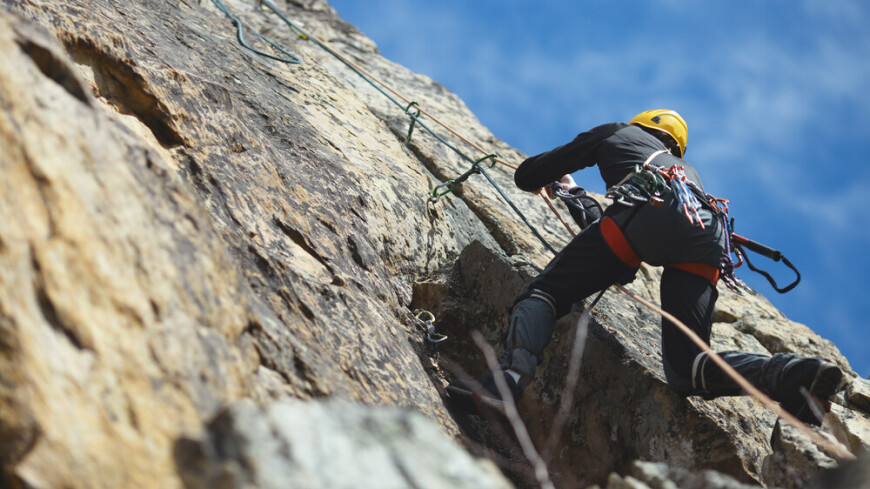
[841, 11]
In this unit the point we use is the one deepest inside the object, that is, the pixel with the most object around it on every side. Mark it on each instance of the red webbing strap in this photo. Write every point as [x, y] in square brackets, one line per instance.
[616, 241]
[708, 272]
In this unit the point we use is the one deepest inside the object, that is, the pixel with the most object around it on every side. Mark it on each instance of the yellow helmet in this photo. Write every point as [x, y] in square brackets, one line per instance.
[665, 120]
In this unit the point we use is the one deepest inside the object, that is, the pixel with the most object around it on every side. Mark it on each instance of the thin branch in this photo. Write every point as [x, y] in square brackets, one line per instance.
[497, 429]
[510, 409]
[833, 448]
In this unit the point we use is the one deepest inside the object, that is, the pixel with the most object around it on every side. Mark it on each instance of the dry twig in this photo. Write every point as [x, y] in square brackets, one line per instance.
[834, 448]
[510, 411]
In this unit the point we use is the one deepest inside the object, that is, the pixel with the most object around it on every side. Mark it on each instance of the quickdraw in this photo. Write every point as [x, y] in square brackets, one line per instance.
[414, 118]
[727, 265]
[429, 325]
[688, 201]
[445, 188]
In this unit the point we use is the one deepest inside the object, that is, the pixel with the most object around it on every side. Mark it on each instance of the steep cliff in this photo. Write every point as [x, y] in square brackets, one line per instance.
[190, 233]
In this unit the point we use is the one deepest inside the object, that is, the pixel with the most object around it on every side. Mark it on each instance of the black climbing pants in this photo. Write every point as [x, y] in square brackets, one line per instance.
[589, 264]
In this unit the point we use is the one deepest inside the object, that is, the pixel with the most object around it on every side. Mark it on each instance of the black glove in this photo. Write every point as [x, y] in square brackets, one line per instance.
[584, 209]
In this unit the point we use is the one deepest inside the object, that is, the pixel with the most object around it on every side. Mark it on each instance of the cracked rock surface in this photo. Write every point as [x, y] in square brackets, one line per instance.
[187, 227]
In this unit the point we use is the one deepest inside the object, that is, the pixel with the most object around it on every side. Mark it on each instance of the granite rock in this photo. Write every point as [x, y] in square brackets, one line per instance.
[187, 226]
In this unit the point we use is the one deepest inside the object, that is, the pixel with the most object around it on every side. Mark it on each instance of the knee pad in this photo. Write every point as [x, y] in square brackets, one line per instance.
[699, 372]
[531, 326]
[689, 382]
[539, 295]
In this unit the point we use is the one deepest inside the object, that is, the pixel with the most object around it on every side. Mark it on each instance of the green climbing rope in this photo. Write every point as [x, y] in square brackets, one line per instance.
[290, 59]
[415, 117]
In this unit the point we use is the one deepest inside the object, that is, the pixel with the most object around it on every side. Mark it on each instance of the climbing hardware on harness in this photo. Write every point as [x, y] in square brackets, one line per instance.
[650, 183]
[740, 242]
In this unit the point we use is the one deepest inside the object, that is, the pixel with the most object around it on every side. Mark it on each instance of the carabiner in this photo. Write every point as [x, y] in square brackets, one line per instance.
[429, 324]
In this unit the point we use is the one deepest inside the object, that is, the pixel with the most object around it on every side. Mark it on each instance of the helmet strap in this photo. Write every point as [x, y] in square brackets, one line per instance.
[666, 139]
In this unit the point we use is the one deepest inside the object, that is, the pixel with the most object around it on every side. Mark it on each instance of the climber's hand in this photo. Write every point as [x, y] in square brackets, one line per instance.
[565, 183]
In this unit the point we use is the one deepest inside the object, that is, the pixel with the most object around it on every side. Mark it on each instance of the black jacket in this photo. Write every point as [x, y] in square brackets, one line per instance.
[616, 148]
[660, 235]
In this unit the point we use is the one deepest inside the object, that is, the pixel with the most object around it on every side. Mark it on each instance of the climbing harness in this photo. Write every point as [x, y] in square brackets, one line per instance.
[290, 59]
[650, 183]
[428, 325]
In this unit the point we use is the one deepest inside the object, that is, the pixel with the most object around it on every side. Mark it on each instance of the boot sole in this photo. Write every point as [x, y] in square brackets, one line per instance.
[828, 380]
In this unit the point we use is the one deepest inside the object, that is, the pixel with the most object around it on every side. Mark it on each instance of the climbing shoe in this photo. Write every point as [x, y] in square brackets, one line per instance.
[462, 393]
[821, 380]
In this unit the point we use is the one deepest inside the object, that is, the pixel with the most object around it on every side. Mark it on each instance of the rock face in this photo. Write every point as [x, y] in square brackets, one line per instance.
[187, 227]
[333, 444]
[646, 475]
[795, 462]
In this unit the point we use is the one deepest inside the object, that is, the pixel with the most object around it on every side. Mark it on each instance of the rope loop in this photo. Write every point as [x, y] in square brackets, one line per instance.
[290, 59]
[769, 277]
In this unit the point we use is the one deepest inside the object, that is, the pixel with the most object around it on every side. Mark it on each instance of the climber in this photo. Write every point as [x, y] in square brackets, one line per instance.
[610, 250]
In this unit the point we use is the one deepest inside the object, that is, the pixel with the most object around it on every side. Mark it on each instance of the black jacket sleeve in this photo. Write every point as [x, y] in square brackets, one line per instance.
[538, 171]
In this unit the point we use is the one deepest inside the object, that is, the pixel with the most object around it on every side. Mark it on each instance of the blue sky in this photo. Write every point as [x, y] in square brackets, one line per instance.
[776, 95]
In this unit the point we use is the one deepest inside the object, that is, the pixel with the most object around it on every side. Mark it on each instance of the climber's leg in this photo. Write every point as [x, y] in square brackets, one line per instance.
[584, 266]
[689, 371]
